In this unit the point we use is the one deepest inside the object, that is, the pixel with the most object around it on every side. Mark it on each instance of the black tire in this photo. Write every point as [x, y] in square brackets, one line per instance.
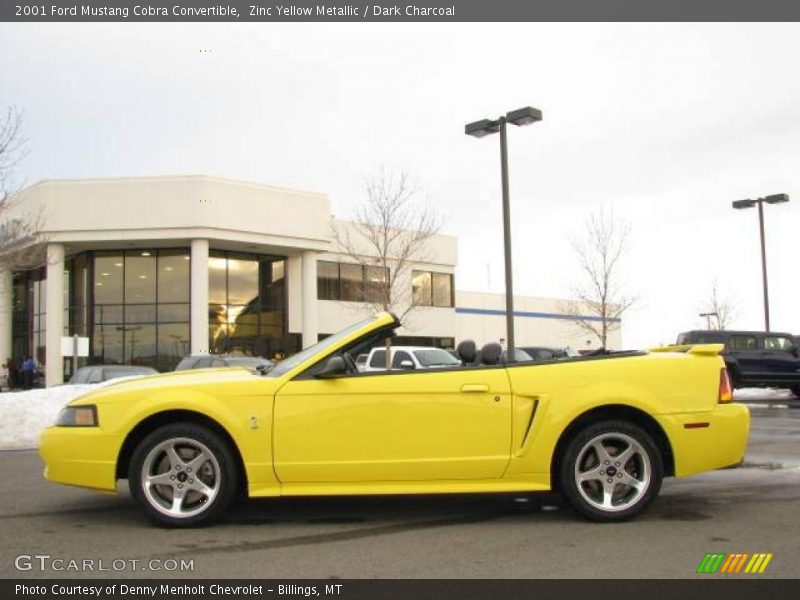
[216, 467]
[795, 390]
[644, 470]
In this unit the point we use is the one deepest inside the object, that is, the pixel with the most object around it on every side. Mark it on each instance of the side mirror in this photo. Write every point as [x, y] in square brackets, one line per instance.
[407, 365]
[334, 367]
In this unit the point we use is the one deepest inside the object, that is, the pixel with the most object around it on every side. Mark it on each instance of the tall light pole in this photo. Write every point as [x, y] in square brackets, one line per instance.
[482, 128]
[773, 199]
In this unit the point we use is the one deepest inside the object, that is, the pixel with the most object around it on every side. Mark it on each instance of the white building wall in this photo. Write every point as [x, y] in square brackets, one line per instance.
[172, 208]
[545, 327]
[294, 293]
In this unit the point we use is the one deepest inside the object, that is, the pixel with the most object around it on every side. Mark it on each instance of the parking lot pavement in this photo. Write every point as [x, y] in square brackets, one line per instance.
[751, 509]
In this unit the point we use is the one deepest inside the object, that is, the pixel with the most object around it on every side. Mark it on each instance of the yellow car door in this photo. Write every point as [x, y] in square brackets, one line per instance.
[394, 426]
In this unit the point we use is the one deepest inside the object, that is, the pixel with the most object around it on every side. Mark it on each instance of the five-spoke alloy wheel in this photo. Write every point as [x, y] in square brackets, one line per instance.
[182, 475]
[610, 471]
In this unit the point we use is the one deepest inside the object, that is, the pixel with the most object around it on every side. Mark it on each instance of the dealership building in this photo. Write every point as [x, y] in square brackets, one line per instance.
[153, 269]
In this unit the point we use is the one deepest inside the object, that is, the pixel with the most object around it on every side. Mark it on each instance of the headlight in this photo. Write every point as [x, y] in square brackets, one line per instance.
[77, 416]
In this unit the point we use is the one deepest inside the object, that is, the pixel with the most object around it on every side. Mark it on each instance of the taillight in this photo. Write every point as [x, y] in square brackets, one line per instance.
[725, 390]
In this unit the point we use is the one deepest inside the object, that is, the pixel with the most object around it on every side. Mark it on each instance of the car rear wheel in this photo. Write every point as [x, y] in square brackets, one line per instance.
[796, 390]
[610, 471]
[183, 475]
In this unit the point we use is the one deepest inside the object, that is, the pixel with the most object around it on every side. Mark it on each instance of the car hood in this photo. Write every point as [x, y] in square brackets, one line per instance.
[219, 382]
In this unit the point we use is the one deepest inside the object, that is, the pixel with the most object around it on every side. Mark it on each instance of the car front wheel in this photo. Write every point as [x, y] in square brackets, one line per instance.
[610, 471]
[183, 475]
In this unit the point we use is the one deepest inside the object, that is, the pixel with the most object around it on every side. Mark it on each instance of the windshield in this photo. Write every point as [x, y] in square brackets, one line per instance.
[436, 357]
[294, 360]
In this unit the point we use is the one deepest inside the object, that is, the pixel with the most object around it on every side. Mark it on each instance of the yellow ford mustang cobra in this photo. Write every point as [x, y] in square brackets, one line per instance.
[603, 430]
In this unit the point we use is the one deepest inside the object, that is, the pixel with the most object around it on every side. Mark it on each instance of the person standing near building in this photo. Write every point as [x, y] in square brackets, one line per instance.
[28, 369]
[13, 374]
[4, 382]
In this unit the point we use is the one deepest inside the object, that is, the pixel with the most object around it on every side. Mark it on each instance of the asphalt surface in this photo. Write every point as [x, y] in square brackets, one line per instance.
[750, 509]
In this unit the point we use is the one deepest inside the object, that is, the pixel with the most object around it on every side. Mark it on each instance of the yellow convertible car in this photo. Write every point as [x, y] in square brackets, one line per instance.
[602, 430]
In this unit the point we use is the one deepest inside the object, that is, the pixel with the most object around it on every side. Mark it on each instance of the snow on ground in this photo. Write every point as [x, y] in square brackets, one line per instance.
[762, 395]
[25, 414]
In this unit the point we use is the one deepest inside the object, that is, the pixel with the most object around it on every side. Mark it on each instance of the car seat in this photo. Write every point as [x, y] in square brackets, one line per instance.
[491, 353]
[467, 351]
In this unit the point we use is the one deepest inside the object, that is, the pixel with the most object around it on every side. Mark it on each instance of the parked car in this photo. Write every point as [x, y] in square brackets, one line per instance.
[409, 357]
[100, 373]
[755, 358]
[603, 431]
[209, 361]
[549, 353]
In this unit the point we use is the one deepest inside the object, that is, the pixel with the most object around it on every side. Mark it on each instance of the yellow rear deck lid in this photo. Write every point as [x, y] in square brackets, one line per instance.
[700, 349]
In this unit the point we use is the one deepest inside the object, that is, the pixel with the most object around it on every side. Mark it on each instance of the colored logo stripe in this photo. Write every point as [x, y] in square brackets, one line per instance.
[711, 563]
[734, 563]
[758, 563]
[721, 562]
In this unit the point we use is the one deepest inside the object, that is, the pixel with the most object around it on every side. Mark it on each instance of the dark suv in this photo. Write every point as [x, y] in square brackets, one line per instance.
[755, 358]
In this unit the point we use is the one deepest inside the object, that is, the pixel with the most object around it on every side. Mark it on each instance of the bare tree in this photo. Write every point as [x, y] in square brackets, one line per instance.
[389, 231]
[599, 301]
[18, 233]
[721, 307]
[12, 149]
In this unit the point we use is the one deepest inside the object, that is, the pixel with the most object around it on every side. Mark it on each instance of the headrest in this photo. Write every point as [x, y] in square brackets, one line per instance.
[491, 353]
[467, 351]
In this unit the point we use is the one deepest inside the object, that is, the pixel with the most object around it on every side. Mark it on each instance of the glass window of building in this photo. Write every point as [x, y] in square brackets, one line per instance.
[432, 289]
[328, 280]
[173, 276]
[108, 278]
[421, 288]
[247, 304]
[442, 289]
[217, 280]
[141, 307]
[140, 277]
[352, 282]
[376, 280]
[242, 280]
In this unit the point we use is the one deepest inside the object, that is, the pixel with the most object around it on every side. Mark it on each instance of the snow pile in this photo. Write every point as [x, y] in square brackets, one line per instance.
[762, 395]
[25, 414]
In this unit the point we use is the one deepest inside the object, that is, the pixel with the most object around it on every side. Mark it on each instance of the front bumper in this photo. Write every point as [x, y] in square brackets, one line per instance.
[82, 456]
[708, 440]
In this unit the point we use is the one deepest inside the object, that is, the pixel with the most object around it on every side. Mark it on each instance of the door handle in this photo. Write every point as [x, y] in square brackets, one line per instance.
[475, 388]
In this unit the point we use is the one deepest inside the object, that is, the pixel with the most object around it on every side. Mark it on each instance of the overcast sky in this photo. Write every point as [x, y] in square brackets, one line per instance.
[666, 123]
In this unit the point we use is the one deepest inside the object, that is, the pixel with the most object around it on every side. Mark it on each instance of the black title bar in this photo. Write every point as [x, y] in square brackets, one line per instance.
[409, 11]
[734, 588]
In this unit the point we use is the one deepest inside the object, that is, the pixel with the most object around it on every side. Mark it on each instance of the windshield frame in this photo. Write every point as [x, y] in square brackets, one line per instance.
[324, 347]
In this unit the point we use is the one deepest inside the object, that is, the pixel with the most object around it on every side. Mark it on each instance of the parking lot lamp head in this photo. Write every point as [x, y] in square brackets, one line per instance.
[776, 198]
[739, 204]
[524, 116]
[482, 128]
